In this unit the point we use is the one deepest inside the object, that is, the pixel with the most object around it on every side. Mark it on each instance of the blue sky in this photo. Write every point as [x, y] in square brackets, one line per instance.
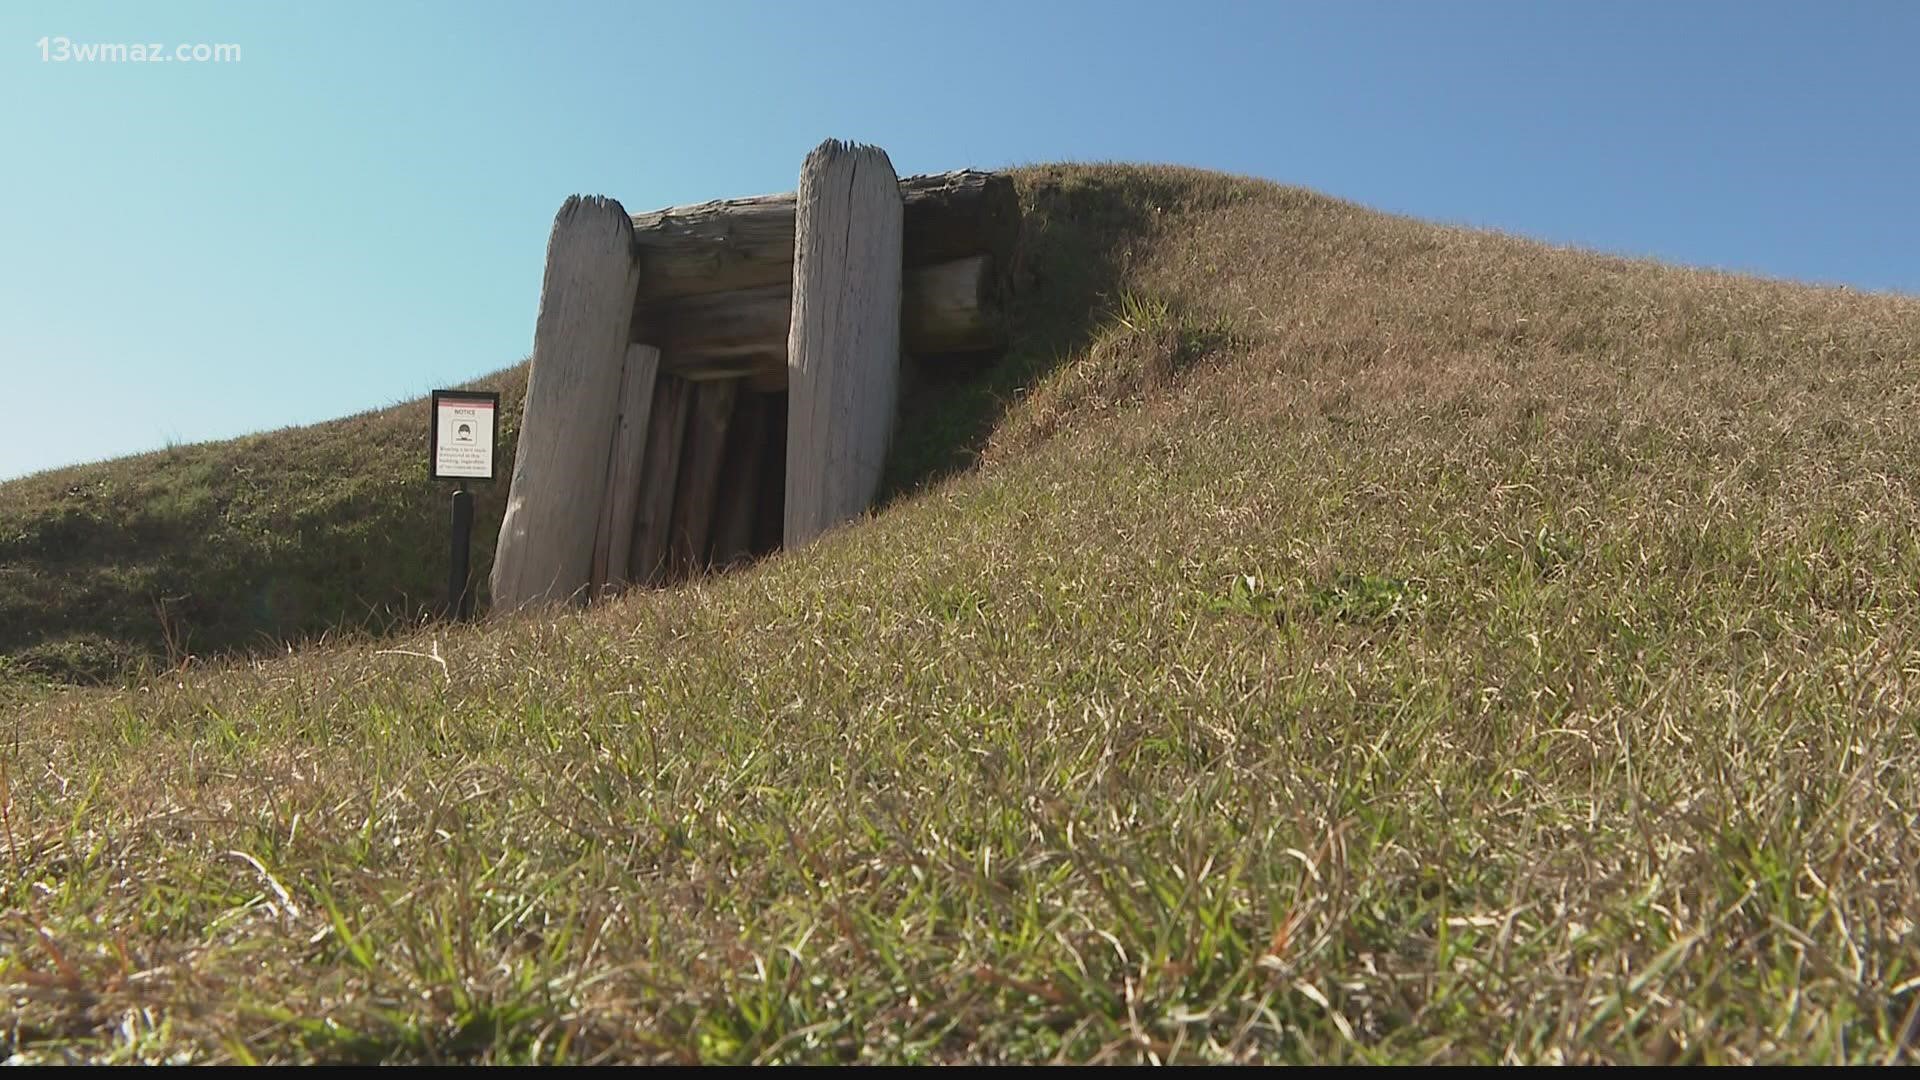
[356, 211]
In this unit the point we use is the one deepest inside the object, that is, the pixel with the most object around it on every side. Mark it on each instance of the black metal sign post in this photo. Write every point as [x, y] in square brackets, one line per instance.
[462, 445]
[459, 594]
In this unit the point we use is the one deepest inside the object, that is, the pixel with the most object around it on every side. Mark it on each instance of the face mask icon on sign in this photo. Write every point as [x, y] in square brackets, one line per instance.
[463, 433]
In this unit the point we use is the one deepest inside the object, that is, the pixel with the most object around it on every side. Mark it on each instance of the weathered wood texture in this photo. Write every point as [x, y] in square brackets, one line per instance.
[944, 307]
[737, 495]
[627, 456]
[743, 243]
[843, 347]
[700, 461]
[545, 551]
[666, 434]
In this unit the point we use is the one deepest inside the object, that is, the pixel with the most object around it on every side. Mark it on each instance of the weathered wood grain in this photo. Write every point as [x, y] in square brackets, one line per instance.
[628, 455]
[944, 308]
[545, 550]
[666, 434]
[843, 347]
[743, 243]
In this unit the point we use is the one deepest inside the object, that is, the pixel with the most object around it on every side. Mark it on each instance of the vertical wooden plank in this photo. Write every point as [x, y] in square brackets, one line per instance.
[843, 345]
[738, 491]
[700, 473]
[628, 455]
[666, 431]
[545, 550]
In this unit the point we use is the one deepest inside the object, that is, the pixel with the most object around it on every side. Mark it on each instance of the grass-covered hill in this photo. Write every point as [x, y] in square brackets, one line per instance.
[112, 569]
[1325, 636]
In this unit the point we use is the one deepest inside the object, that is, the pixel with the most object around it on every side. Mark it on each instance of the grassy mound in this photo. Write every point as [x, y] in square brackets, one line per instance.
[1329, 637]
[243, 546]
[121, 568]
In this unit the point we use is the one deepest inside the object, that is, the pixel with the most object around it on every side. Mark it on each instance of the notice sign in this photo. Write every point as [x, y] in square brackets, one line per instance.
[461, 443]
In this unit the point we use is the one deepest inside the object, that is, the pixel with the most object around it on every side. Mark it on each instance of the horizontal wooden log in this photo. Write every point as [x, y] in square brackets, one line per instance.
[952, 307]
[746, 243]
[946, 307]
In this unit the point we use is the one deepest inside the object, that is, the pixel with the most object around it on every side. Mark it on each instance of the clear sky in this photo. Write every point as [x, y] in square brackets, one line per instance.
[356, 210]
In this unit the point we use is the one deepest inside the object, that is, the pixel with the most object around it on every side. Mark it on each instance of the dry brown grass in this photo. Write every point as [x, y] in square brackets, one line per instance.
[1360, 641]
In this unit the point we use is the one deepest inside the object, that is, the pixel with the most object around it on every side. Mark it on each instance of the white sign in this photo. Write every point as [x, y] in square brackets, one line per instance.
[463, 434]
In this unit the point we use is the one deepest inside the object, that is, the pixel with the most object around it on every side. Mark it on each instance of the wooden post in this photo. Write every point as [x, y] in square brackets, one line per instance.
[843, 347]
[622, 498]
[666, 431]
[545, 552]
[700, 474]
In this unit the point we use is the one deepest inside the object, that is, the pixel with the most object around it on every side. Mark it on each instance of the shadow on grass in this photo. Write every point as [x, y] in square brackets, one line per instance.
[1080, 227]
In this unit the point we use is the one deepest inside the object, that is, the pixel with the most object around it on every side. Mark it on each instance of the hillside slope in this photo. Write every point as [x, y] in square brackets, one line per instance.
[1326, 637]
[238, 546]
